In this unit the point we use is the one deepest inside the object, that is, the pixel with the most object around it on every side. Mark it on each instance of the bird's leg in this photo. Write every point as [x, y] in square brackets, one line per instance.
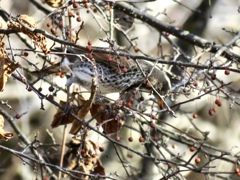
[67, 107]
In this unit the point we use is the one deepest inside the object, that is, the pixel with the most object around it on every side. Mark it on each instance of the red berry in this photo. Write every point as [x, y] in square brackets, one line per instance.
[155, 138]
[195, 116]
[86, 5]
[124, 70]
[227, 71]
[101, 149]
[218, 102]
[60, 24]
[148, 84]
[25, 54]
[130, 139]
[53, 31]
[197, 160]
[236, 170]
[131, 99]
[211, 112]
[70, 14]
[153, 116]
[88, 48]
[129, 104]
[169, 165]
[214, 109]
[68, 33]
[117, 138]
[51, 88]
[110, 59]
[195, 83]
[152, 125]
[192, 148]
[136, 49]
[79, 19]
[75, 4]
[17, 116]
[213, 77]
[141, 139]
[90, 56]
[95, 10]
[89, 43]
[48, 24]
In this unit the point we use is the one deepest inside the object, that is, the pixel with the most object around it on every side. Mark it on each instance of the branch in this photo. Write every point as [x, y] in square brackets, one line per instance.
[176, 31]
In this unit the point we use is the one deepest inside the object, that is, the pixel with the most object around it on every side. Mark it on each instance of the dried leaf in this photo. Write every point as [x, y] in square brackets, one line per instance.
[85, 106]
[60, 118]
[54, 3]
[76, 127]
[109, 122]
[89, 162]
[82, 168]
[27, 26]
[4, 135]
[27, 20]
[99, 169]
[73, 163]
[6, 67]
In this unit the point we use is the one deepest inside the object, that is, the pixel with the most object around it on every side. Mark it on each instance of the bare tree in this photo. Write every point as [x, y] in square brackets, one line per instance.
[119, 90]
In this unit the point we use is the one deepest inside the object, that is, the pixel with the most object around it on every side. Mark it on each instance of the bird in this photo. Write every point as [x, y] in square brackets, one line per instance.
[114, 73]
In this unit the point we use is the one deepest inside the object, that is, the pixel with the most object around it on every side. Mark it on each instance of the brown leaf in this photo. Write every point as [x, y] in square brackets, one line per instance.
[28, 20]
[88, 163]
[73, 163]
[99, 169]
[27, 26]
[61, 119]
[82, 168]
[85, 106]
[54, 3]
[4, 135]
[76, 127]
[6, 67]
[71, 157]
[109, 123]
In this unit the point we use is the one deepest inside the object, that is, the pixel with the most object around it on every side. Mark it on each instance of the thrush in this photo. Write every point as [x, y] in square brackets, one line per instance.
[114, 73]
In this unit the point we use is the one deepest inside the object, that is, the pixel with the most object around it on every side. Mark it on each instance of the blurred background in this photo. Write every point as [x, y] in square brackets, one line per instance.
[202, 18]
